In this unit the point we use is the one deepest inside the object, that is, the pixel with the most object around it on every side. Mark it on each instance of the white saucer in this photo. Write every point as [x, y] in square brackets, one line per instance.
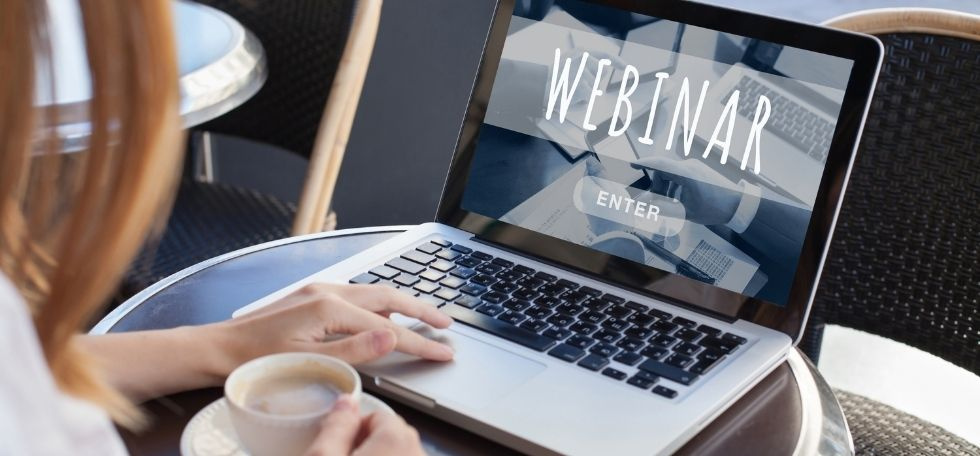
[210, 432]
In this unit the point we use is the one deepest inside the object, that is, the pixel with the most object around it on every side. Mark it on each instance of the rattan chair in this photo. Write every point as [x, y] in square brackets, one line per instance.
[904, 259]
[317, 54]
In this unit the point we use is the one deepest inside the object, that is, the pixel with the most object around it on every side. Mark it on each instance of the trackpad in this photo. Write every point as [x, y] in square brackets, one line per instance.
[479, 375]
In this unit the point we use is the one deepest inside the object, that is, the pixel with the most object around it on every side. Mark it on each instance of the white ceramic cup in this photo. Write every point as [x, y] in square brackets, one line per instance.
[265, 434]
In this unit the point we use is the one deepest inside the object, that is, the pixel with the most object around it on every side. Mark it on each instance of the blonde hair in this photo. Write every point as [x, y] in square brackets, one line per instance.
[70, 223]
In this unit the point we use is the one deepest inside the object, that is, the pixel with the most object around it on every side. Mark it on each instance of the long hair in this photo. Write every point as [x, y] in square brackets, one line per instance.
[70, 223]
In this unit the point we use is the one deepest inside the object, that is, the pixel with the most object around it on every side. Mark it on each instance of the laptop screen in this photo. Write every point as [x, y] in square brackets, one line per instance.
[682, 148]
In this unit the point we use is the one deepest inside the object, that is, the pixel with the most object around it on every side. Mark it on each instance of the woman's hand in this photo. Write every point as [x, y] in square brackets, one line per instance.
[344, 432]
[349, 322]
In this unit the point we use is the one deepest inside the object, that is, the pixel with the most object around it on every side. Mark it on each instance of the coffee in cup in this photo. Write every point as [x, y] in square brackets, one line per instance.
[277, 402]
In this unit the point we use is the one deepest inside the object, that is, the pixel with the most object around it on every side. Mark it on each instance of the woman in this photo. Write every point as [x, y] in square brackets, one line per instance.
[70, 224]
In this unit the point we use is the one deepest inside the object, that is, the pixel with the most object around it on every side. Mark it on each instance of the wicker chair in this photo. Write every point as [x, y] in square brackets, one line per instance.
[904, 259]
[317, 55]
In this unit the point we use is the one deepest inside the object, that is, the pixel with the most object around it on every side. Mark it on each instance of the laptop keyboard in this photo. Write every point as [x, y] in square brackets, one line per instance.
[601, 332]
[794, 124]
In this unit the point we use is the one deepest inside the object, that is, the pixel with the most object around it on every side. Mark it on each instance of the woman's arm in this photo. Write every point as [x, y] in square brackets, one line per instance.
[147, 364]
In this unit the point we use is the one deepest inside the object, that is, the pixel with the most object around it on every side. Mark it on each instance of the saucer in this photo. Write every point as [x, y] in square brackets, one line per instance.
[210, 432]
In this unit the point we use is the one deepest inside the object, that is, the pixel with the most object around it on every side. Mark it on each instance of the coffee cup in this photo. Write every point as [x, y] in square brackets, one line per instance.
[277, 402]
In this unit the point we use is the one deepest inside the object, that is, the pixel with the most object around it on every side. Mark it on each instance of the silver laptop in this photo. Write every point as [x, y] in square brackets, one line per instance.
[603, 307]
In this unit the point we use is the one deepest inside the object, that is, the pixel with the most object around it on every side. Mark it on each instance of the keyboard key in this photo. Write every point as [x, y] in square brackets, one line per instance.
[596, 304]
[678, 360]
[613, 299]
[468, 302]
[463, 273]
[490, 309]
[593, 362]
[419, 257]
[472, 289]
[404, 265]
[406, 280]
[593, 317]
[468, 262]
[688, 334]
[628, 358]
[568, 284]
[664, 327]
[687, 348]
[443, 265]
[560, 320]
[551, 290]
[663, 340]
[639, 319]
[462, 249]
[385, 272]
[619, 312]
[509, 276]
[448, 255]
[718, 344]
[557, 333]
[667, 371]
[660, 314]
[613, 373]
[517, 304]
[664, 391]
[535, 325]
[494, 297]
[545, 276]
[580, 341]
[711, 354]
[567, 352]
[446, 294]
[711, 331]
[733, 338]
[641, 382]
[604, 350]
[630, 344]
[703, 365]
[365, 279]
[512, 317]
[432, 275]
[426, 286]
[569, 309]
[451, 282]
[547, 301]
[607, 336]
[503, 262]
[484, 279]
[656, 353]
[583, 328]
[526, 294]
[639, 333]
[523, 270]
[481, 255]
[530, 283]
[504, 287]
[429, 248]
[573, 297]
[590, 291]
[616, 324]
[538, 313]
[685, 322]
[441, 242]
[489, 268]
[636, 306]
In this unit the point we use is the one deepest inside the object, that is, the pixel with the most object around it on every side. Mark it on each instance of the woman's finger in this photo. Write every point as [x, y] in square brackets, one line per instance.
[382, 299]
[358, 348]
[352, 319]
[339, 429]
[387, 434]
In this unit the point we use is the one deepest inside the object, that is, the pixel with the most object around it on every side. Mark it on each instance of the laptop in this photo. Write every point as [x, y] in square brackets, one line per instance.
[583, 325]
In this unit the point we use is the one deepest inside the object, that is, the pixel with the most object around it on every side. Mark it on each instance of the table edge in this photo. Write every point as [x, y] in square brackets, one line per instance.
[117, 314]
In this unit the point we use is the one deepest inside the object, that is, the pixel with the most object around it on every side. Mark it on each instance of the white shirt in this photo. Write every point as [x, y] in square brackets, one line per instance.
[35, 417]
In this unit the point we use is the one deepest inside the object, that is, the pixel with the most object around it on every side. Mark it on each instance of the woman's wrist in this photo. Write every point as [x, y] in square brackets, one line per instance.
[218, 350]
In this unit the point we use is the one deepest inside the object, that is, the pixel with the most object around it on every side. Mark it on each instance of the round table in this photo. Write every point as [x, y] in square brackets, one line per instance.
[791, 411]
[221, 65]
